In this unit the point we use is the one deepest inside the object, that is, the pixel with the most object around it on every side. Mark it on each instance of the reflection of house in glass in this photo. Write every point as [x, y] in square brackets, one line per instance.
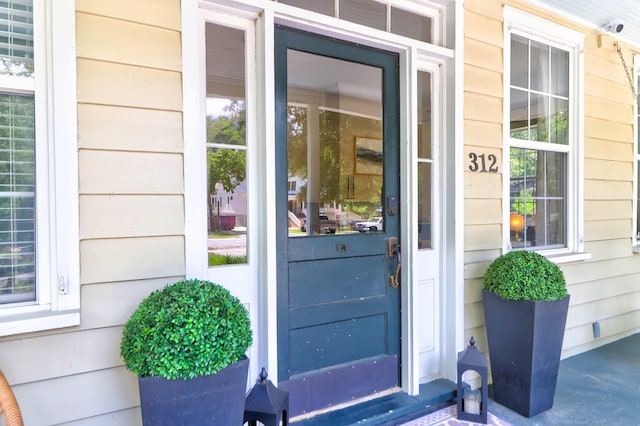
[295, 202]
[228, 209]
[343, 213]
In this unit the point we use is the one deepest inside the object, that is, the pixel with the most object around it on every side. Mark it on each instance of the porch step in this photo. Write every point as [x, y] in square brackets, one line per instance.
[388, 410]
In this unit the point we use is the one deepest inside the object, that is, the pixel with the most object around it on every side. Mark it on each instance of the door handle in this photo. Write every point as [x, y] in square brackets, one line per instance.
[392, 246]
[393, 250]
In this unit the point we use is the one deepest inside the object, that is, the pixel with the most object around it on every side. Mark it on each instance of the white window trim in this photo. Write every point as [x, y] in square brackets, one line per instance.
[58, 260]
[552, 34]
[241, 279]
[195, 130]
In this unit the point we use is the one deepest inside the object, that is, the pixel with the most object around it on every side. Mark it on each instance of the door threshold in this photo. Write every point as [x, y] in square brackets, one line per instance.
[344, 405]
[384, 408]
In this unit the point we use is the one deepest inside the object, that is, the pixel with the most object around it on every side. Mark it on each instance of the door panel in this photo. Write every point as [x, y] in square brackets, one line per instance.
[337, 162]
[358, 339]
[303, 281]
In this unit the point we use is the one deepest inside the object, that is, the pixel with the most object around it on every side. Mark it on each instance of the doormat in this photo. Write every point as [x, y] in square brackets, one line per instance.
[447, 417]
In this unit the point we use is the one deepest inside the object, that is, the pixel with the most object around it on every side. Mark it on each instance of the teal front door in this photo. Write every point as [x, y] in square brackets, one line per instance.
[337, 219]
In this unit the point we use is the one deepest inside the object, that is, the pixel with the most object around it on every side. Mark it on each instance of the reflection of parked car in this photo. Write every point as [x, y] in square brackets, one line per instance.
[325, 224]
[374, 224]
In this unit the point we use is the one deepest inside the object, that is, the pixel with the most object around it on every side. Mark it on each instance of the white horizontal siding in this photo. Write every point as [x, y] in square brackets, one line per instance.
[65, 399]
[125, 259]
[131, 216]
[109, 40]
[109, 304]
[108, 127]
[116, 172]
[126, 85]
[161, 13]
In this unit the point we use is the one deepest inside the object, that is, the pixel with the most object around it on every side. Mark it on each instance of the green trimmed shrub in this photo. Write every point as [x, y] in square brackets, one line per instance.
[188, 329]
[525, 275]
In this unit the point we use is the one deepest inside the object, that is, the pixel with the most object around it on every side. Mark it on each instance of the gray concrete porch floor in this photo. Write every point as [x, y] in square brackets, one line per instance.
[598, 387]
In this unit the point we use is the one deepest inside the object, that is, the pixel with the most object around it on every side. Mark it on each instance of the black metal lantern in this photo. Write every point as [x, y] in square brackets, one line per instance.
[472, 404]
[266, 404]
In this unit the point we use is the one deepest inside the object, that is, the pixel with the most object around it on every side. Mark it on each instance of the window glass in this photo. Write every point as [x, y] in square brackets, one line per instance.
[519, 114]
[539, 115]
[537, 198]
[559, 110]
[226, 145]
[16, 37]
[539, 67]
[17, 157]
[539, 111]
[364, 12]
[539, 92]
[559, 72]
[519, 62]
[373, 14]
[410, 24]
[424, 205]
[17, 205]
[425, 158]
[326, 7]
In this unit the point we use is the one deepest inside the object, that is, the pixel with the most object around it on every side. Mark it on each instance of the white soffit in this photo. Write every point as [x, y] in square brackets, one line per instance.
[599, 13]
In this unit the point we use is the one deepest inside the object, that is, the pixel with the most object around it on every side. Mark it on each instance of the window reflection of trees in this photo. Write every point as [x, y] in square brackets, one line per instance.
[538, 192]
[338, 186]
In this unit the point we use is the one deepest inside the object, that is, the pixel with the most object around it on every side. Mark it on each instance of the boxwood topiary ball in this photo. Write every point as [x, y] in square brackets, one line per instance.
[525, 275]
[188, 329]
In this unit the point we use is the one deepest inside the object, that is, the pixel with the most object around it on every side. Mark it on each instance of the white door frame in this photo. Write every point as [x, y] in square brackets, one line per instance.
[263, 290]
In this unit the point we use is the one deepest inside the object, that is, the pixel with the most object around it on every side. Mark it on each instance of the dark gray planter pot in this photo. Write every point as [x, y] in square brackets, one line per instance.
[525, 343]
[217, 399]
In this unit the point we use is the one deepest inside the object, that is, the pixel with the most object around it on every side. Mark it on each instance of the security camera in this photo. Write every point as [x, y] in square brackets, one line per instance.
[613, 27]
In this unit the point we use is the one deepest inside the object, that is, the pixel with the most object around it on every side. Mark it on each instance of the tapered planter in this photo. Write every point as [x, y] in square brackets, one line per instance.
[216, 399]
[525, 343]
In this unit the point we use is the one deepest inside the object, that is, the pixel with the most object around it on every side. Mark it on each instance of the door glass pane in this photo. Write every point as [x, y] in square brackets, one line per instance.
[334, 146]
[425, 157]
[226, 145]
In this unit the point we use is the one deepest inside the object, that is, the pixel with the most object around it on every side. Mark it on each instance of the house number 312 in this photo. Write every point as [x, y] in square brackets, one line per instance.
[483, 163]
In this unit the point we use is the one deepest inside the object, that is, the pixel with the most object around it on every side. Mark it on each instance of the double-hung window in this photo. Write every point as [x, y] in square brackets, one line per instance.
[543, 133]
[39, 286]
